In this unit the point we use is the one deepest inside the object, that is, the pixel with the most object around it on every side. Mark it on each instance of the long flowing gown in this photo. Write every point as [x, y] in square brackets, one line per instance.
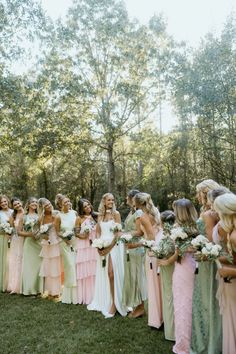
[31, 282]
[206, 318]
[15, 261]
[167, 301]
[183, 283]
[69, 292]
[135, 287]
[102, 300]
[50, 269]
[86, 261]
[4, 218]
[155, 318]
[226, 295]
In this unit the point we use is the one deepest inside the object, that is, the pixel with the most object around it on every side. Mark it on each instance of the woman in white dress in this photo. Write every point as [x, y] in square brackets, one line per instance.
[110, 263]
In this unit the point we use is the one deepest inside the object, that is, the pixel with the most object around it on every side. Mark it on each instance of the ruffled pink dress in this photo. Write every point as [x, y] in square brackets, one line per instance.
[155, 318]
[183, 283]
[51, 263]
[15, 261]
[86, 261]
[226, 295]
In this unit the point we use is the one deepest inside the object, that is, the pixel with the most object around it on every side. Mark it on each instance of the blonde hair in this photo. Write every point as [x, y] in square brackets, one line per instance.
[185, 214]
[102, 207]
[29, 201]
[41, 208]
[225, 206]
[58, 200]
[204, 187]
[145, 200]
[3, 196]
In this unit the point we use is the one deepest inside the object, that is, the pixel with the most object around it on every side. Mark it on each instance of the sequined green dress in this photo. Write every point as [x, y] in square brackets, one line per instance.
[206, 318]
[134, 290]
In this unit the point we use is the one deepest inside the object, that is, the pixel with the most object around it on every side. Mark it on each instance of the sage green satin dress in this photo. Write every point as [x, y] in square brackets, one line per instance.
[206, 318]
[134, 290]
[31, 282]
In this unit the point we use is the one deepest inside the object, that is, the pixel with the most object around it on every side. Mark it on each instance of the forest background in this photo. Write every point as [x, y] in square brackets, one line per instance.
[87, 118]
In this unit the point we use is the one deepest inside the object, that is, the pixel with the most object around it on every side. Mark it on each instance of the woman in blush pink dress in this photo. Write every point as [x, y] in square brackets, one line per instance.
[86, 258]
[148, 224]
[225, 206]
[50, 268]
[16, 250]
[183, 277]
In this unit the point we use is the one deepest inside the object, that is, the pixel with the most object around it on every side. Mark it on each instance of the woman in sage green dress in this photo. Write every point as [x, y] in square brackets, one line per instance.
[134, 290]
[166, 272]
[5, 217]
[31, 282]
[65, 223]
[206, 319]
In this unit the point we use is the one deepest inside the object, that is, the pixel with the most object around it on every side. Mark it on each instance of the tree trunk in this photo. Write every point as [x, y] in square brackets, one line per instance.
[111, 168]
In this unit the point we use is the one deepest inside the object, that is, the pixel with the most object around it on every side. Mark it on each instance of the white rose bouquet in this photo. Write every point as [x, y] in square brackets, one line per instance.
[116, 227]
[181, 239]
[148, 243]
[6, 228]
[67, 237]
[101, 245]
[43, 232]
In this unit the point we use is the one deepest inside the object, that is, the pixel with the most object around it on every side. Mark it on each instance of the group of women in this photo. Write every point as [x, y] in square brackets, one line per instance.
[54, 253]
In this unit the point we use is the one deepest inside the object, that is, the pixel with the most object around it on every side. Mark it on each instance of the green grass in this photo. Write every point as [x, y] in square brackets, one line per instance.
[35, 325]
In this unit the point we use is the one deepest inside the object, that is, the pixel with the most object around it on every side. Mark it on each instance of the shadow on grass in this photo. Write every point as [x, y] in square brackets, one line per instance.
[34, 325]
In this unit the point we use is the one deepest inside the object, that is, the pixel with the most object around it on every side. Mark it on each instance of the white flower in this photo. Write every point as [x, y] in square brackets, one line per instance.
[126, 238]
[43, 229]
[100, 243]
[148, 243]
[199, 241]
[86, 229]
[116, 227]
[155, 249]
[6, 227]
[178, 233]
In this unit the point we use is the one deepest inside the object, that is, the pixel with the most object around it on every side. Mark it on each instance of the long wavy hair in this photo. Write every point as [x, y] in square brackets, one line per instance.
[80, 209]
[145, 200]
[15, 199]
[29, 201]
[204, 187]
[225, 206]
[41, 208]
[3, 196]
[102, 207]
[58, 201]
[186, 215]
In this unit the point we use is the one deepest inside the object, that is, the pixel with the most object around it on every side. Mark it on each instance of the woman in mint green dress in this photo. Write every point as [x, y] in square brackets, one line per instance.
[166, 272]
[65, 223]
[5, 217]
[31, 282]
[206, 320]
[134, 290]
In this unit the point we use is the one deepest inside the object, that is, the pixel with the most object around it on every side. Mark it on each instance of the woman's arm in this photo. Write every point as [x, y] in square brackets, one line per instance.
[78, 223]
[210, 221]
[171, 260]
[57, 224]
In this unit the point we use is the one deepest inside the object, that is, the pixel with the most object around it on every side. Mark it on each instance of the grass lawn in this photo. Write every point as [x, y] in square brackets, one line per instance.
[35, 325]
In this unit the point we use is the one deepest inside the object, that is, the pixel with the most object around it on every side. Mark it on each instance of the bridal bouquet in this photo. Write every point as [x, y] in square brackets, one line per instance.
[29, 225]
[67, 236]
[181, 239]
[101, 245]
[164, 249]
[199, 242]
[43, 232]
[148, 243]
[6, 228]
[86, 229]
[116, 227]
